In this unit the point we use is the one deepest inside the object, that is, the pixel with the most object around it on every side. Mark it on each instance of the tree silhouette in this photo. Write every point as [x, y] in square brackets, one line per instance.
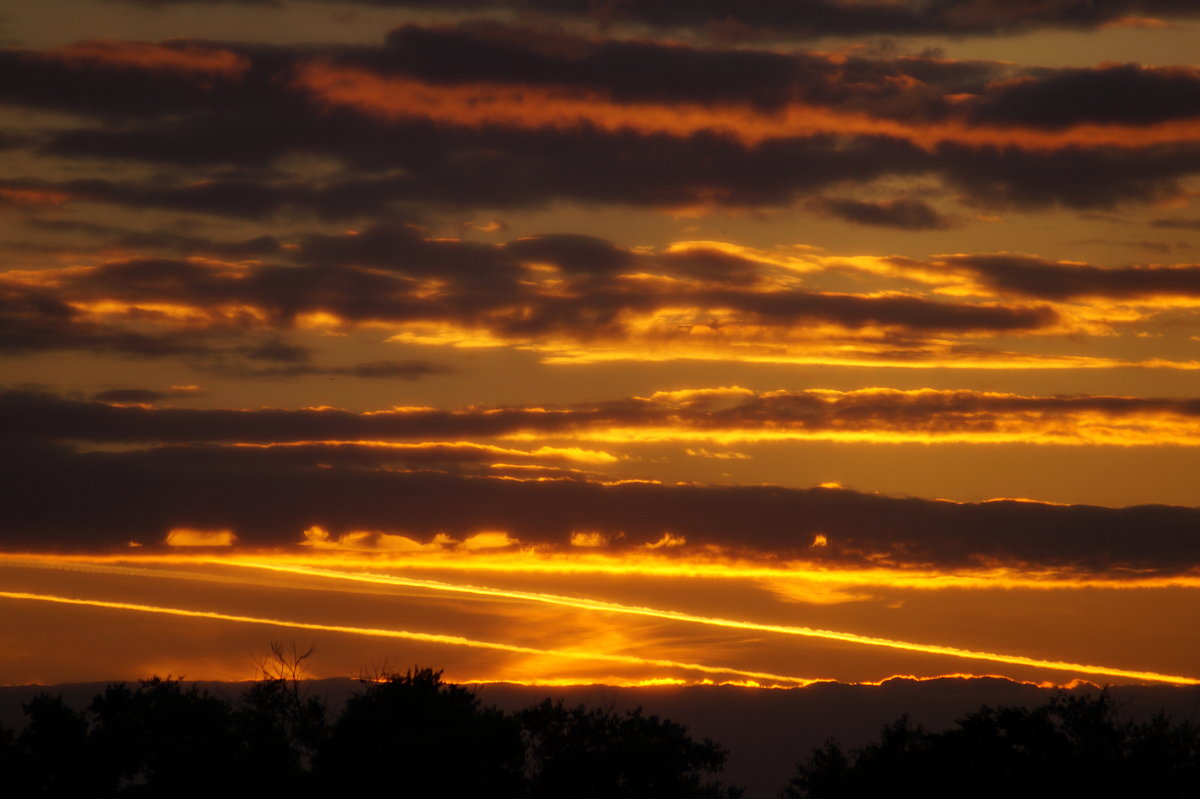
[279, 732]
[279, 727]
[413, 735]
[584, 753]
[1072, 746]
[164, 739]
[50, 757]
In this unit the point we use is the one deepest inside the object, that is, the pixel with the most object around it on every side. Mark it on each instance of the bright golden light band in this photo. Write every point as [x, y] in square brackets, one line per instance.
[431, 638]
[781, 629]
[582, 603]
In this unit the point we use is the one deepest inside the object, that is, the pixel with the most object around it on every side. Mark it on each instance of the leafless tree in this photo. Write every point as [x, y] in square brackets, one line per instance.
[286, 664]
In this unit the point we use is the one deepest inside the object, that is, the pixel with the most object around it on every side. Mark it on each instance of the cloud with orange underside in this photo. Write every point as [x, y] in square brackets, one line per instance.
[689, 298]
[700, 300]
[683, 127]
[526, 106]
[726, 415]
[355, 507]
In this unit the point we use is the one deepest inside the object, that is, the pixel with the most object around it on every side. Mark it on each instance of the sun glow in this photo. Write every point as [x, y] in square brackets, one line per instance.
[432, 638]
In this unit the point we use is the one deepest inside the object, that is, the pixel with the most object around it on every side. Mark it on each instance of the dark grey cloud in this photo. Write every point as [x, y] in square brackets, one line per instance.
[1101, 177]
[156, 241]
[624, 71]
[244, 198]
[32, 416]
[904, 213]
[423, 165]
[471, 168]
[222, 143]
[815, 18]
[1126, 94]
[250, 117]
[105, 89]
[382, 275]
[40, 416]
[33, 320]
[100, 500]
[144, 395]
[130, 395]
[1056, 280]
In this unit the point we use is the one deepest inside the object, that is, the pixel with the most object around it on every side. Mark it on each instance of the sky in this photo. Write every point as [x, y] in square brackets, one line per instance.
[628, 343]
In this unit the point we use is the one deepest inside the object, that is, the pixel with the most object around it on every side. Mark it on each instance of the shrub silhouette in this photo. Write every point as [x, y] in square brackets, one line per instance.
[1072, 746]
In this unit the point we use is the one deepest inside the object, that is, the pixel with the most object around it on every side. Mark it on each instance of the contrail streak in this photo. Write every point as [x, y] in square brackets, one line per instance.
[670, 615]
[673, 615]
[433, 638]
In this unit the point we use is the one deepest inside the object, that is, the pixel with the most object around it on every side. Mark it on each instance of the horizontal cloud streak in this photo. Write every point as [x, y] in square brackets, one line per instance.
[815, 18]
[266, 500]
[729, 414]
[549, 293]
[414, 473]
[1031, 276]
[463, 115]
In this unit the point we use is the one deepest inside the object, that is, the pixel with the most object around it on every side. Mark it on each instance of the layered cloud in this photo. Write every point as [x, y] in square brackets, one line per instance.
[1031, 276]
[723, 415]
[537, 474]
[493, 115]
[445, 310]
[98, 500]
[578, 298]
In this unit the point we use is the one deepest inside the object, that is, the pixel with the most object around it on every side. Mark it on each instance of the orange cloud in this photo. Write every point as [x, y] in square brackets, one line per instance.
[144, 55]
[1138, 22]
[18, 196]
[521, 106]
[433, 449]
[186, 537]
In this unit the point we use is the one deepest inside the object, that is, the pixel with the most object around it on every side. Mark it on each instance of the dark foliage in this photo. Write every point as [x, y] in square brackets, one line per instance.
[1073, 746]
[414, 735]
[408, 735]
[585, 753]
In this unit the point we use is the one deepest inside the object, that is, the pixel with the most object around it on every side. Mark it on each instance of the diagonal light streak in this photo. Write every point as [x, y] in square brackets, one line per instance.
[680, 616]
[674, 615]
[433, 638]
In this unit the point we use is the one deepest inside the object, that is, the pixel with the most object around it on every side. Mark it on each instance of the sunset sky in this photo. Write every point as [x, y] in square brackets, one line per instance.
[566, 341]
